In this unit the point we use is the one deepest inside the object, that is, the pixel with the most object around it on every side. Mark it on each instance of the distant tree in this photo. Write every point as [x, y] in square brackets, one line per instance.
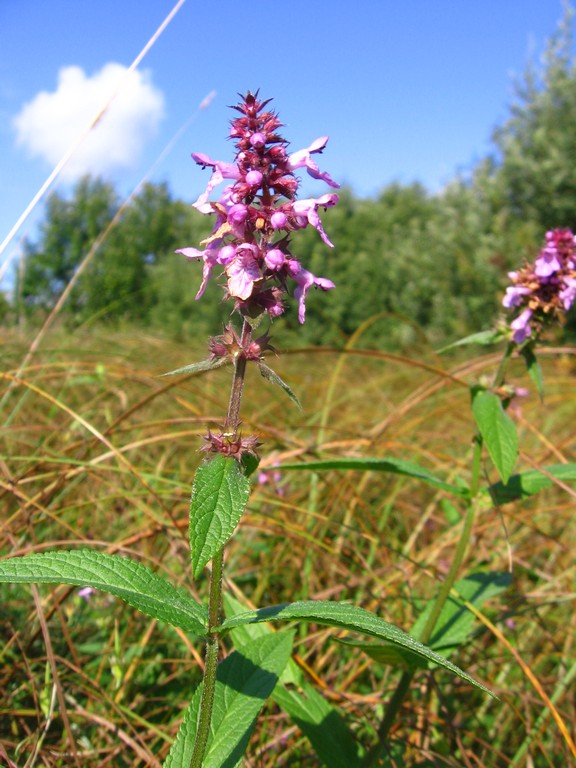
[68, 230]
[534, 170]
[117, 283]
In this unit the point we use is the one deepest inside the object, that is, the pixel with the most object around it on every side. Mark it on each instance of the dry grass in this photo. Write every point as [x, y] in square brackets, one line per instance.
[98, 449]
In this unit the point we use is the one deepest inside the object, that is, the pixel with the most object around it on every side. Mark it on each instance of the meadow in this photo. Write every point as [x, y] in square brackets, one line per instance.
[99, 449]
[427, 490]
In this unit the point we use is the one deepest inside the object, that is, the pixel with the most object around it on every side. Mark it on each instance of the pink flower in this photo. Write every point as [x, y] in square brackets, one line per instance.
[303, 159]
[257, 213]
[243, 271]
[305, 281]
[521, 326]
[307, 212]
[546, 289]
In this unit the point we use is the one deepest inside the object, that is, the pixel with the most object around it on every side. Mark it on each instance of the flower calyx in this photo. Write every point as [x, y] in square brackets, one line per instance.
[230, 346]
[231, 445]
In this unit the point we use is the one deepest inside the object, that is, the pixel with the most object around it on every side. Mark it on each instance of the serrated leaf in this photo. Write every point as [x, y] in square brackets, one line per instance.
[456, 620]
[484, 338]
[318, 720]
[219, 496]
[204, 365]
[389, 654]
[527, 484]
[368, 464]
[273, 378]
[245, 679]
[497, 429]
[348, 617]
[131, 581]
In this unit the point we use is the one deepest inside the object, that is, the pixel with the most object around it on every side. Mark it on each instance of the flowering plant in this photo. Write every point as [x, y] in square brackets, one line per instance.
[250, 250]
[543, 291]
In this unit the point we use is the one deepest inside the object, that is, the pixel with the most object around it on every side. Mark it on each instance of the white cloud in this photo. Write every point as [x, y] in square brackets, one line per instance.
[52, 121]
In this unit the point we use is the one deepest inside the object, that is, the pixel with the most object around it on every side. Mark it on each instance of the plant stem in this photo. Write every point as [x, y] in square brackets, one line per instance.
[406, 679]
[233, 417]
[215, 596]
[211, 663]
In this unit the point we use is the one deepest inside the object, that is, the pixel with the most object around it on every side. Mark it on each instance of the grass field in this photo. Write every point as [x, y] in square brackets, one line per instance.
[97, 448]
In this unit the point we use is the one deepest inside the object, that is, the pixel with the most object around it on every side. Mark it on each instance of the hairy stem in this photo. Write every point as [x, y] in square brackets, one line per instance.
[211, 663]
[215, 597]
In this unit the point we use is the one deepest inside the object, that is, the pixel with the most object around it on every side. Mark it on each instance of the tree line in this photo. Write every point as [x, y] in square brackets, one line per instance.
[427, 263]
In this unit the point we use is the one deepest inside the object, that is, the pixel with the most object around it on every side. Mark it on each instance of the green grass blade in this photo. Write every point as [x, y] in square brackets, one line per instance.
[394, 466]
[131, 581]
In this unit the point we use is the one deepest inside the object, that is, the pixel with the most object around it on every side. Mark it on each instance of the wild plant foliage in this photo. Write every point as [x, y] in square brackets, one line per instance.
[252, 253]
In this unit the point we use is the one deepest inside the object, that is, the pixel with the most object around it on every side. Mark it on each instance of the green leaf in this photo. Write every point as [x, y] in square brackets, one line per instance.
[348, 617]
[245, 679]
[318, 720]
[394, 466]
[484, 338]
[497, 429]
[250, 463]
[205, 365]
[389, 654]
[131, 581]
[273, 378]
[534, 368]
[453, 627]
[456, 620]
[528, 483]
[219, 496]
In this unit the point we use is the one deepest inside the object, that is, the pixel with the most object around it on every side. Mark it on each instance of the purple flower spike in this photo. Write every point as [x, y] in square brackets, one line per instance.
[545, 290]
[257, 213]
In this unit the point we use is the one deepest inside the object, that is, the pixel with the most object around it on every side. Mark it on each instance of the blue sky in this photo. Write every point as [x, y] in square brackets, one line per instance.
[407, 90]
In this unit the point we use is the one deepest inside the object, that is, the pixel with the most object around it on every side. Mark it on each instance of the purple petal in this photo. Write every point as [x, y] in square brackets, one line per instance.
[521, 326]
[209, 256]
[302, 159]
[309, 208]
[221, 171]
[514, 295]
[243, 271]
[305, 281]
